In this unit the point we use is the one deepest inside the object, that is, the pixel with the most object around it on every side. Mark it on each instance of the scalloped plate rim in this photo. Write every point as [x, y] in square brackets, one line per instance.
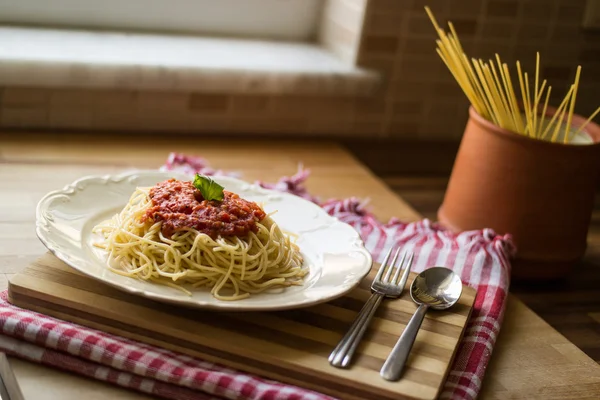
[72, 189]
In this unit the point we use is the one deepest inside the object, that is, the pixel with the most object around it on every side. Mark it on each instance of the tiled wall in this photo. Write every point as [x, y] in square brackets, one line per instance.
[422, 99]
[418, 100]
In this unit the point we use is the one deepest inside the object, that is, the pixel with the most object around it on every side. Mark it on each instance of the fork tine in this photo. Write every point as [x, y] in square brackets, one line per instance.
[397, 273]
[388, 273]
[382, 266]
[406, 272]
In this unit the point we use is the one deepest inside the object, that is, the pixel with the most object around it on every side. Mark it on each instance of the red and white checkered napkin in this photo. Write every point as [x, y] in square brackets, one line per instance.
[479, 257]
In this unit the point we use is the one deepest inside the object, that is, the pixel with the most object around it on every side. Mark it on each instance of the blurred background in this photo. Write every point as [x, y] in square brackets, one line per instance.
[362, 71]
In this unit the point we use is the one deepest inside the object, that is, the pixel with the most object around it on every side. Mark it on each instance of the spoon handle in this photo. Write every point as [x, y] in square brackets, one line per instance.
[393, 366]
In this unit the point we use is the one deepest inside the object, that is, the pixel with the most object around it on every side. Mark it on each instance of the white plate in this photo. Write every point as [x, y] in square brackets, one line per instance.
[332, 250]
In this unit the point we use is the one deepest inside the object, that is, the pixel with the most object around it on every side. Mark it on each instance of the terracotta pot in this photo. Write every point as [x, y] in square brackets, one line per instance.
[540, 192]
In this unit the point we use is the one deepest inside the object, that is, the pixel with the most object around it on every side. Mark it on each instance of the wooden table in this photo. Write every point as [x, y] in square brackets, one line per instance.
[531, 360]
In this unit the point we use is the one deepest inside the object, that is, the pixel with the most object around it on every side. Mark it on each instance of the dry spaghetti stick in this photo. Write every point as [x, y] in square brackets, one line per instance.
[455, 42]
[560, 107]
[538, 133]
[480, 106]
[572, 106]
[443, 53]
[465, 90]
[524, 96]
[487, 91]
[513, 97]
[468, 91]
[432, 18]
[497, 97]
[461, 72]
[477, 84]
[561, 118]
[512, 109]
[558, 110]
[453, 54]
[536, 104]
[587, 121]
[453, 31]
[503, 95]
[537, 77]
[528, 100]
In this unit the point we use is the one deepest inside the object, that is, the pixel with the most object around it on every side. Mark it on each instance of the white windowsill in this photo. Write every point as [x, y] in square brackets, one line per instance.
[110, 60]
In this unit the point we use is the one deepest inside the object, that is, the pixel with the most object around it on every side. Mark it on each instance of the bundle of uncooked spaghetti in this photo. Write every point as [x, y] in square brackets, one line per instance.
[490, 90]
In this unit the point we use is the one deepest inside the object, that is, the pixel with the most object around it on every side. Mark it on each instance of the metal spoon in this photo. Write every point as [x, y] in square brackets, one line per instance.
[436, 287]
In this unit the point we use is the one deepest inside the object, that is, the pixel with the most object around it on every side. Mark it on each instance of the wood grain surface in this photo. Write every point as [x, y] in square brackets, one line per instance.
[290, 346]
[531, 360]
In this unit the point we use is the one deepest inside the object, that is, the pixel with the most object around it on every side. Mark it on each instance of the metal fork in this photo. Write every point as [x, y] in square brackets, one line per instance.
[389, 286]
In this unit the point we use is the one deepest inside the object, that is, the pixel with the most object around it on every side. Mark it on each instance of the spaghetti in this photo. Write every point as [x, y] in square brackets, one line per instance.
[491, 93]
[234, 260]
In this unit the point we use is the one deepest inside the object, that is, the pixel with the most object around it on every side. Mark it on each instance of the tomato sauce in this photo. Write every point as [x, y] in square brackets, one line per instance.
[178, 205]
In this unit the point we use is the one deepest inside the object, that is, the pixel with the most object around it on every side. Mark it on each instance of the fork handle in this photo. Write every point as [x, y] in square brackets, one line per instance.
[393, 366]
[342, 354]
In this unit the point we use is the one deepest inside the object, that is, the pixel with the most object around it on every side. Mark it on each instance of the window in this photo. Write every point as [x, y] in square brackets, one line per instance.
[270, 19]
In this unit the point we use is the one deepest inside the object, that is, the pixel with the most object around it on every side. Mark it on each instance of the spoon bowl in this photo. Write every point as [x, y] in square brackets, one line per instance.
[438, 288]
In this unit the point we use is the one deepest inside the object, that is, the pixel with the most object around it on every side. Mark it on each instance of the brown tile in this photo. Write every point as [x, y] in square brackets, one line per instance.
[561, 52]
[250, 104]
[334, 127]
[312, 106]
[381, 63]
[421, 46]
[539, 10]
[498, 30]
[502, 8]
[25, 97]
[571, 9]
[447, 89]
[590, 55]
[209, 103]
[385, 24]
[73, 98]
[441, 129]
[407, 108]
[420, 67]
[380, 44]
[411, 90]
[525, 53]
[591, 38]
[421, 25]
[563, 33]
[70, 118]
[464, 8]
[370, 106]
[406, 129]
[124, 119]
[557, 72]
[93, 98]
[163, 101]
[392, 6]
[115, 99]
[533, 32]
[367, 127]
[465, 27]
[269, 126]
[22, 117]
[443, 110]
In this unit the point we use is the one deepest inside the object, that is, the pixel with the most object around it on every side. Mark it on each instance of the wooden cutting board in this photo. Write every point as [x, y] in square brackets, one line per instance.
[289, 346]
